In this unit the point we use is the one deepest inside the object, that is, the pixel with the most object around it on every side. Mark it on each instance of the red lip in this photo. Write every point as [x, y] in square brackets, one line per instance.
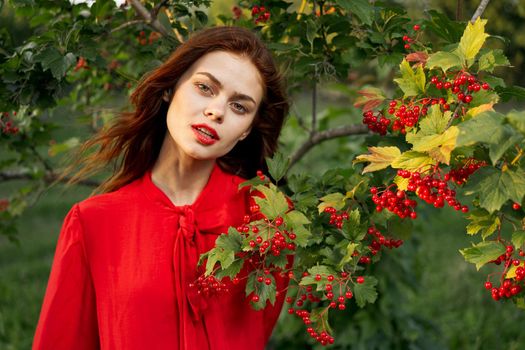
[205, 134]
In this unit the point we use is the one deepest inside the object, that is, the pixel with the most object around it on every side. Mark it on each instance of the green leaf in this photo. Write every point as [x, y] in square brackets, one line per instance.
[353, 229]
[265, 292]
[435, 122]
[491, 59]
[274, 203]
[483, 252]
[509, 138]
[482, 222]
[412, 83]
[278, 261]
[365, 292]
[295, 218]
[51, 59]
[518, 238]
[494, 187]
[226, 245]
[232, 270]
[361, 8]
[311, 32]
[517, 120]
[482, 128]
[350, 248]
[444, 60]
[507, 93]
[277, 166]
[303, 234]
[472, 40]
[335, 200]
[320, 316]
[412, 161]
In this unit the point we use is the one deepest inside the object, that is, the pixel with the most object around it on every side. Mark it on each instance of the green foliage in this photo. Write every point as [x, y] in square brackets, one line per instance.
[82, 59]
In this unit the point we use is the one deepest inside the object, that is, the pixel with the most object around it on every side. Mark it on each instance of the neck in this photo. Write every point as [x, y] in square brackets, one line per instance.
[179, 176]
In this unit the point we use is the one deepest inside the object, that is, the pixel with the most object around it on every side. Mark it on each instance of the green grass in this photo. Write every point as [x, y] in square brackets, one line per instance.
[24, 267]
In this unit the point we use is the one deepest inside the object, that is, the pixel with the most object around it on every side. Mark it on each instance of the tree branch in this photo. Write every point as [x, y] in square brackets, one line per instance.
[318, 137]
[479, 11]
[127, 24]
[151, 18]
[49, 178]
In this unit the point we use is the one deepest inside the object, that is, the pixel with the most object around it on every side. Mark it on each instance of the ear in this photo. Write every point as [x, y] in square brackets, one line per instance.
[245, 134]
[166, 96]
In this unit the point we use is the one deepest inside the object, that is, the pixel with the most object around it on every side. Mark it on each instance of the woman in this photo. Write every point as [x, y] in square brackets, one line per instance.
[203, 121]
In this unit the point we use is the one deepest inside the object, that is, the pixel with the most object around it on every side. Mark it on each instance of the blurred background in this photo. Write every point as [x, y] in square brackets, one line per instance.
[429, 297]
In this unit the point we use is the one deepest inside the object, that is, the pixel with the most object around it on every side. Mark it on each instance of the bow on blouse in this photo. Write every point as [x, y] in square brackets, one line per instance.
[191, 224]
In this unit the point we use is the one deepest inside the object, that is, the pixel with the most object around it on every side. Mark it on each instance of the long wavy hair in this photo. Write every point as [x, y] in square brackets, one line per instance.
[133, 141]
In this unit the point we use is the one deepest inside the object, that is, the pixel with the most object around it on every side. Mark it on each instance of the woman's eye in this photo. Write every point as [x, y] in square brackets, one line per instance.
[239, 108]
[203, 88]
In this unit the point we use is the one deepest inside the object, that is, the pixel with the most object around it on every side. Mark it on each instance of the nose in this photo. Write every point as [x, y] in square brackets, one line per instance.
[215, 111]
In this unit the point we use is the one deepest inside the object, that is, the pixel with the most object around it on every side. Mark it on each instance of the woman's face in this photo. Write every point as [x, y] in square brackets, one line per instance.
[214, 105]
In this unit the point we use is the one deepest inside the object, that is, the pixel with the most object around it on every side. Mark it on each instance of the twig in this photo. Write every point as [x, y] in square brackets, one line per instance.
[49, 178]
[459, 7]
[157, 8]
[314, 108]
[151, 18]
[479, 11]
[127, 24]
[318, 137]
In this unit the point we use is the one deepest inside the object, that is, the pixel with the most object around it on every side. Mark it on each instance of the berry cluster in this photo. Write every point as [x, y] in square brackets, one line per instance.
[461, 174]
[152, 37]
[376, 122]
[432, 189]
[407, 39]
[395, 202]
[7, 125]
[509, 287]
[209, 286]
[407, 115]
[260, 14]
[462, 85]
[379, 240]
[336, 219]
[271, 239]
[336, 290]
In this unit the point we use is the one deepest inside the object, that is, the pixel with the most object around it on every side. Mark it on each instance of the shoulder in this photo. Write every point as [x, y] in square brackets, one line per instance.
[111, 202]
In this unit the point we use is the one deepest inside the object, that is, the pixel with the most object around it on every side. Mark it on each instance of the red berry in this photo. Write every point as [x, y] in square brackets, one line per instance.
[407, 46]
[416, 27]
[255, 298]
[485, 86]
[516, 206]
[488, 285]
[360, 279]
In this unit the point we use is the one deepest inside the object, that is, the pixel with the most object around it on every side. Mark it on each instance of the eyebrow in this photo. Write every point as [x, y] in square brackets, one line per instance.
[236, 95]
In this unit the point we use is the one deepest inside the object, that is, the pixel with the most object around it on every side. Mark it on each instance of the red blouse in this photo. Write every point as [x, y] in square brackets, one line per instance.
[121, 271]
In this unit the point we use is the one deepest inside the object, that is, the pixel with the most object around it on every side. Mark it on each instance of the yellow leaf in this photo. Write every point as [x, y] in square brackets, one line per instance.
[438, 146]
[412, 161]
[401, 182]
[351, 194]
[512, 270]
[480, 109]
[379, 158]
[472, 40]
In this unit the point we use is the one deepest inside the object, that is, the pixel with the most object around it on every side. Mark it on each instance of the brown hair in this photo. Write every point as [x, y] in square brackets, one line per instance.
[133, 141]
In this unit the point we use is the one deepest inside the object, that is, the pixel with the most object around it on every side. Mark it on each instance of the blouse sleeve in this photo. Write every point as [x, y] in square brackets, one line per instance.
[68, 318]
